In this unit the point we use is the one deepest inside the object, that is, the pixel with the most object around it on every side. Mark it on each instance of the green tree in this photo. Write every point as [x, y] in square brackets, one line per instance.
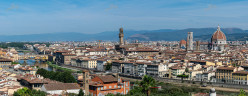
[56, 76]
[23, 92]
[146, 83]
[186, 70]
[108, 66]
[71, 94]
[14, 63]
[27, 92]
[65, 77]
[81, 93]
[183, 76]
[68, 78]
[242, 93]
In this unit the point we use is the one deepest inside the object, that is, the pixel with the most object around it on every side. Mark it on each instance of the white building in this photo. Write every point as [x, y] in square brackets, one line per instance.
[156, 70]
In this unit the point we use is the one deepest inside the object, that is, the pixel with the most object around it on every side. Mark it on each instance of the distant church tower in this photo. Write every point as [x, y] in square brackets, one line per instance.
[86, 78]
[190, 42]
[121, 35]
[218, 40]
[198, 44]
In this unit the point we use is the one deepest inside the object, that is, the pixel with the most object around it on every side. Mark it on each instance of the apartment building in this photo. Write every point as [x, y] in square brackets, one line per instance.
[240, 77]
[157, 70]
[224, 73]
[5, 63]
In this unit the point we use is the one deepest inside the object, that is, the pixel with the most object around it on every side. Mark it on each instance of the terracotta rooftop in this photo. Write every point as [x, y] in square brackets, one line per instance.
[226, 68]
[183, 42]
[218, 35]
[61, 86]
[5, 60]
[108, 78]
[241, 72]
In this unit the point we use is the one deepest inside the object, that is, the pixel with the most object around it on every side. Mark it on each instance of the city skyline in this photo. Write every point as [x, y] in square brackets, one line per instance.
[53, 16]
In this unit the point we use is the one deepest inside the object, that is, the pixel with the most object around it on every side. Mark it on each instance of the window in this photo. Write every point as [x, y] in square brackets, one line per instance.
[105, 87]
[110, 86]
[115, 86]
[98, 88]
[127, 84]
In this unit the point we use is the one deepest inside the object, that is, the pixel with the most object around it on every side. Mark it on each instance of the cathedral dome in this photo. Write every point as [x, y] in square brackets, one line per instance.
[218, 35]
[183, 42]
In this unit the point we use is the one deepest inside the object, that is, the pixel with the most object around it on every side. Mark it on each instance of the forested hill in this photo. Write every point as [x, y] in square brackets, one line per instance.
[147, 35]
[198, 33]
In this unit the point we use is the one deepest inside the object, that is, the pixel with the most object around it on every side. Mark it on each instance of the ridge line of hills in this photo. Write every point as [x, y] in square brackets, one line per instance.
[203, 34]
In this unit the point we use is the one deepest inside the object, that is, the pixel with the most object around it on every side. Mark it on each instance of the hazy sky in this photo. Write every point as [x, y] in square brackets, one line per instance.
[93, 16]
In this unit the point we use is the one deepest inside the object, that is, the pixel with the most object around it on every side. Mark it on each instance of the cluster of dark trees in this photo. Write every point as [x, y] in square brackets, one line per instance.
[28, 92]
[65, 77]
[108, 66]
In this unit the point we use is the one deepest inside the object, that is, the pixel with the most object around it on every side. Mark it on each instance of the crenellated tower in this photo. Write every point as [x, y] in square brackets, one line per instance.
[121, 36]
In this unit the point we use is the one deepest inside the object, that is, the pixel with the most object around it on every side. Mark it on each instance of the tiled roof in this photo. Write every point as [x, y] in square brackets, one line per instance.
[5, 60]
[218, 35]
[226, 68]
[61, 86]
[241, 72]
[183, 42]
[108, 78]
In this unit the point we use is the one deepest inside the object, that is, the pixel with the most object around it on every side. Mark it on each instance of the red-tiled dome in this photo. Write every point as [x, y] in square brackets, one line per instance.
[218, 35]
[183, 42]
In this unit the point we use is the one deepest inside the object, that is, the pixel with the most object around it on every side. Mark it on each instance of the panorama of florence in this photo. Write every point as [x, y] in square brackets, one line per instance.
[123, 48]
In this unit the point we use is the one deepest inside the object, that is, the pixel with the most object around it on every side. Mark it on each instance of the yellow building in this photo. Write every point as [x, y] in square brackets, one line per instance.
[224, 74]
[213, 63]
[240, 77]
[5, 63]
[89, 63]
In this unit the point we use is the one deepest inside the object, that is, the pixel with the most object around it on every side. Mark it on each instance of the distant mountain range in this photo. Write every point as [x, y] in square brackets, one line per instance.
[147, 35]
[198, 33]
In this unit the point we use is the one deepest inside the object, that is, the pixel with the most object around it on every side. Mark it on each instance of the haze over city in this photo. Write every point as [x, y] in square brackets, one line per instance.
[94, 16]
